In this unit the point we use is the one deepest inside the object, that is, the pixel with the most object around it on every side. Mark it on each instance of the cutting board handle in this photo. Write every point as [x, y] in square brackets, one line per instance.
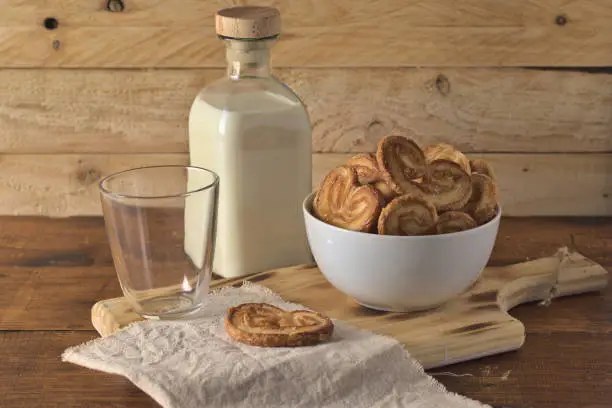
[563, 274]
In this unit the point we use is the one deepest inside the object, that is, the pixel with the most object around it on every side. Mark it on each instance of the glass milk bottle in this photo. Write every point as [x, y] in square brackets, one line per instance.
[254, 132]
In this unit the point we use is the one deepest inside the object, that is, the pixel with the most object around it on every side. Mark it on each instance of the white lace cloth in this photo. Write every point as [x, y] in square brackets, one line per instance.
[194, 363]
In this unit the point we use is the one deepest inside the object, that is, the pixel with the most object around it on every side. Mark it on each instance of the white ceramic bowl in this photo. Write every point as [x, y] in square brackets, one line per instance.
[397, 273]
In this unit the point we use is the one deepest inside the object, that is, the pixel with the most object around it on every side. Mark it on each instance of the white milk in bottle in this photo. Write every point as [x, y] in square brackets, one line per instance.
[254, 132]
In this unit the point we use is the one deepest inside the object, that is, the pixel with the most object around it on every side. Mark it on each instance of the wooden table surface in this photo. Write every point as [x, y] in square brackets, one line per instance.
[53, 270]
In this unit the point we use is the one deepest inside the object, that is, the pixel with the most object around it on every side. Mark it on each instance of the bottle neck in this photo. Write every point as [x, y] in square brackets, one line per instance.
[248, 58]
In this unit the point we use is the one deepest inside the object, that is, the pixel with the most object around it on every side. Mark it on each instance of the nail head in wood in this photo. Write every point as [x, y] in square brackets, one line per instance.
[561, 20]
[56, 44]
[115, 6]
[50, 23]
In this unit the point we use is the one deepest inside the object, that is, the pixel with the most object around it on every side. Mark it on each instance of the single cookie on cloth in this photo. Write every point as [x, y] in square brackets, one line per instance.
[264, 325]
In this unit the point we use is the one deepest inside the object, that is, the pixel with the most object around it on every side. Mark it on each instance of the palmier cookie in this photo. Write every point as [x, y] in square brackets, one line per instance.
[342, 202]
[446, 151]
[447, 185]
[407, 215]
[366, 167]
[454, 221]
[483, 203]
[265, 325]
[482, 166]
[400, 161]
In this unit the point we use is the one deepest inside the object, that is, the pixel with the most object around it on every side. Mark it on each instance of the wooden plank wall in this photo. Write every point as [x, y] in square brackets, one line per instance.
[85, 91]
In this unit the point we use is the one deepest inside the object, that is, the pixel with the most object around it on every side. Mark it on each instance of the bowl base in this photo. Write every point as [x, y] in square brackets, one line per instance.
[384, 308]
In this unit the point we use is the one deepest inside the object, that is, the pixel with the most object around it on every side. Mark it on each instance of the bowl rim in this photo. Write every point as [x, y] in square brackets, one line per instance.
[307, 209]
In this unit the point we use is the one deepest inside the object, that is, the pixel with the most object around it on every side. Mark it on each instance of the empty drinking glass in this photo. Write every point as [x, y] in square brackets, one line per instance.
[161, 224]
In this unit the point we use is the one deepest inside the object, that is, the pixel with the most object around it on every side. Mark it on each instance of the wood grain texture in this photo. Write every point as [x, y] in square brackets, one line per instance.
[470, 326]
[30, 301]
[41, 257]
[64, 185]
[437, 33]
[522, 239]
[67, 185]
[146, 111]
[308, 13]
[39, 242]
[32, 375]
[478, 110]
[573, 374]
[31, 289]
[550, 371]
[93, 13]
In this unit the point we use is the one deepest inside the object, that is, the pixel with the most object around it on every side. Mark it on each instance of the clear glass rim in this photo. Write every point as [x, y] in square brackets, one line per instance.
[115, 195]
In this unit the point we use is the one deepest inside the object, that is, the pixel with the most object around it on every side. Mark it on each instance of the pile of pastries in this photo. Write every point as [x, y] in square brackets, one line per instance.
[402, 189]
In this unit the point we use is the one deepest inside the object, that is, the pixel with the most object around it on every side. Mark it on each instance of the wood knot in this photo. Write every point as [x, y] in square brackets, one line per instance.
[375, 130]
[484, 297]
[88, 176]
[263, 276]
[115, 6]
[375, 124]
[474, 328]
[561, 20]
[443, 84]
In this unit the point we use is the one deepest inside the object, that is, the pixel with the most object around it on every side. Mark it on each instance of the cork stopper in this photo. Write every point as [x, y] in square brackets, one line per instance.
[248, 22]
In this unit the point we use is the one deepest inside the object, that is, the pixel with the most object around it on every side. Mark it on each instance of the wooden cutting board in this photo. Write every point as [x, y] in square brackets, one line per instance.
[473, 325]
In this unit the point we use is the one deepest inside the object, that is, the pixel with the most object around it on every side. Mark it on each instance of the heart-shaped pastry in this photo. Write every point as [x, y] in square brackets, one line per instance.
[400, 161]
[454, 221]
[483, 203]
[342, 202]
[407, 215]
[446, 185]
[385, 189]
[368, 173]
[366, 167]
[447, 152]
[482, 166]
[264, 325]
